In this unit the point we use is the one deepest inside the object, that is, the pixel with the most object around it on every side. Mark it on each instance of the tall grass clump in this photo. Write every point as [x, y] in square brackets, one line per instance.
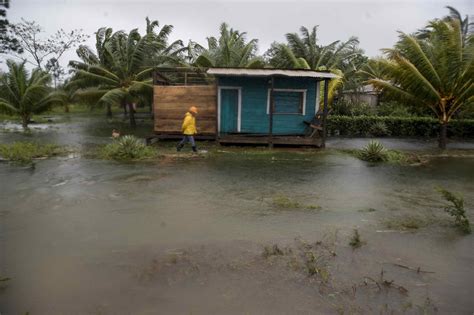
[25, 152]
[374, 151]
[456, 210]
[127, 148]
[356, 240]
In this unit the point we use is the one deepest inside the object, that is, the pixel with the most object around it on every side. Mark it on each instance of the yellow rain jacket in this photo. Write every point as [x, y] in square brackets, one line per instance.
[189, 125]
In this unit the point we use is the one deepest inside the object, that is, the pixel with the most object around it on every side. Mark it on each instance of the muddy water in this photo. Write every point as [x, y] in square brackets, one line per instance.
[84, 236]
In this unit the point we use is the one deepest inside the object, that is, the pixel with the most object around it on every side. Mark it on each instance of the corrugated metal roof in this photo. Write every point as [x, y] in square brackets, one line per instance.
[270, 72]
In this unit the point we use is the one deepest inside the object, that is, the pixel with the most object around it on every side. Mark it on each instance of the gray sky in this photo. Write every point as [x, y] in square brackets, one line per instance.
[374, 22]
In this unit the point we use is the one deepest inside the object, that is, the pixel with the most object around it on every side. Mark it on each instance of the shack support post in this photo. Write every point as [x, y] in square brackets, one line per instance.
[270, 125]
[218, 99]
[325, 112]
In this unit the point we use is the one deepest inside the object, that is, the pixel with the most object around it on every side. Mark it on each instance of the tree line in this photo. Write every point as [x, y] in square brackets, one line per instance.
[433, 67]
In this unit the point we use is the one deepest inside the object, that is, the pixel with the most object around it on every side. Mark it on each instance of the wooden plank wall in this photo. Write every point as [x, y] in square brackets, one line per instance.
[172, 102]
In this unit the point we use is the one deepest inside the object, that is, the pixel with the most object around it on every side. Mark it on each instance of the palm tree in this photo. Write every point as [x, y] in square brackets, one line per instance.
[467, 27]
[437, 72]
[101, 57]
[24, 94]
[119, 71]
[304, 52]
[164, 54]
[123, 78]
[229, 50]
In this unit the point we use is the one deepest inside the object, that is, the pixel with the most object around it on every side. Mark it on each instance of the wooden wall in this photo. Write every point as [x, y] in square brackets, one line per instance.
[172, 102]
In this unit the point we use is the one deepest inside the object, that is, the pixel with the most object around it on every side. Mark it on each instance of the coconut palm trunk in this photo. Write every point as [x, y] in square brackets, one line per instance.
[25, 119]
[443, 135]
[109, 111]
[131, 115]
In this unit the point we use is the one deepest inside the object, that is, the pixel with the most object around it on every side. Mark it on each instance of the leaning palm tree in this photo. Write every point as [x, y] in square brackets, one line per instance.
[231, 49]
[437, 72]
[112, 53]
[304, 52]
[164, 53]
[24, 94]
[467, 27]
[123, 78]
[100, 57]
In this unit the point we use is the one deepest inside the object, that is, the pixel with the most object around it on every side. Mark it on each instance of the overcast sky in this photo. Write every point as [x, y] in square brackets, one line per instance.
[375, 23]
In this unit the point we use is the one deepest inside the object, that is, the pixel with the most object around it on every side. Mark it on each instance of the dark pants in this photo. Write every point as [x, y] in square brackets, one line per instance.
[187, 138]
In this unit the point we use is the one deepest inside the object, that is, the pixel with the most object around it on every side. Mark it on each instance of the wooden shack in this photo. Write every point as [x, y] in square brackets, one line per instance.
[254, 106]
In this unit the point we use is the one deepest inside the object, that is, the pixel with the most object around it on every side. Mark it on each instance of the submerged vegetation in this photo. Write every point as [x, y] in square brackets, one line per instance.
[127, 148]
[456, 210]
[356, 240]
[375, 152]
[285, 202]
[312, 259]
[407, 222]
[25, 152]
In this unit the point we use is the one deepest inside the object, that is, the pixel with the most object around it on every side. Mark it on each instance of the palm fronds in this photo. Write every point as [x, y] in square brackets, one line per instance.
[24, 94]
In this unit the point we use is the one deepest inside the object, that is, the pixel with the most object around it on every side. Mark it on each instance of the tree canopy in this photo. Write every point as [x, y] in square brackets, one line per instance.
[435, 70]
[231, 49]
[24, 94]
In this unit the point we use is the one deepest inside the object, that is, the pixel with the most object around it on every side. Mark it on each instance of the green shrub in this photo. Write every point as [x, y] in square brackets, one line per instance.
[374, 151]
[25, 152]
[393, 109]
[456, 209]
[347, 108]
[466, 112]
[398, 126]
[379, 129]
[127, 148]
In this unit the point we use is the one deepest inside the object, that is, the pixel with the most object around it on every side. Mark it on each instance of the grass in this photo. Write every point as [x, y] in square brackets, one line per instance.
[456, 210]
[285, 202]
[312, 259]
[367, 210]
[127, 148]
[272, 251]
[25, 152]
[375, 152]
[356, 241]
[73, 109]
[409, 222]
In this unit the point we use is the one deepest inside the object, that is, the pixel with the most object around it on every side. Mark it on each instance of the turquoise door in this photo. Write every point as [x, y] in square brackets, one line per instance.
[229, 110]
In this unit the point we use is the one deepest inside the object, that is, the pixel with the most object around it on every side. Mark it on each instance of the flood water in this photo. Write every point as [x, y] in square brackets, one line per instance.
[188, 236]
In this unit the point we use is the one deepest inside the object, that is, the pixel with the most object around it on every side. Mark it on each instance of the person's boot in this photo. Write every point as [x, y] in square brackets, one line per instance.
[179, 147]
[195, 149]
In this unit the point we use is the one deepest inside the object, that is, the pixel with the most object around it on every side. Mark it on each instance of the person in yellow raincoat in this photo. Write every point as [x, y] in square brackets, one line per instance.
[189, 129]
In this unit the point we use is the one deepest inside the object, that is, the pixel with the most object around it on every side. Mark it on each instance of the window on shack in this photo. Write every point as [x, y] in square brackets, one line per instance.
[287, 101]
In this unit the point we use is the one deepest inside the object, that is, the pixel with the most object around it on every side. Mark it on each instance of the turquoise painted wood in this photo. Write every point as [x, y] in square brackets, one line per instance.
[288, 102]
[254, 116]
[229, 110]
